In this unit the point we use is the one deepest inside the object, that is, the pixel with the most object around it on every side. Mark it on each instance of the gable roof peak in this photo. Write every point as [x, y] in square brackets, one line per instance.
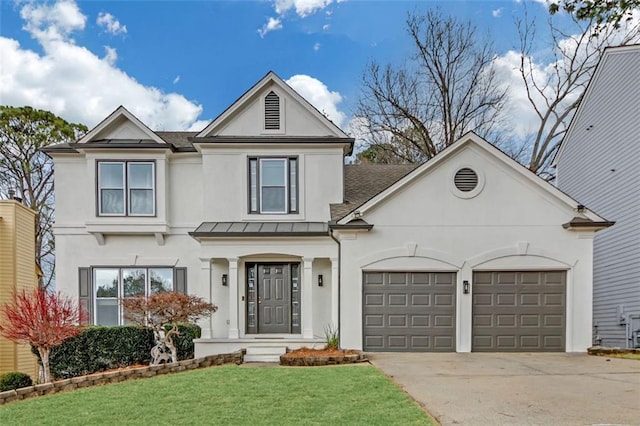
[120, 112]
[270, 78]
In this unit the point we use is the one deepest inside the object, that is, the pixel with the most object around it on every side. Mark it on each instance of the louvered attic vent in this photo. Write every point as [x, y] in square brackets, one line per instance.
[466, 180]
[272, 112]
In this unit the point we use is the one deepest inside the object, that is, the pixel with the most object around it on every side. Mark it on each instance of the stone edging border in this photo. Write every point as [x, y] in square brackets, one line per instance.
[97, 379]
[317, 361]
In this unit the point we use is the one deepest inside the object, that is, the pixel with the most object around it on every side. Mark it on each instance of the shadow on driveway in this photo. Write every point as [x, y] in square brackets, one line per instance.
[518, 389]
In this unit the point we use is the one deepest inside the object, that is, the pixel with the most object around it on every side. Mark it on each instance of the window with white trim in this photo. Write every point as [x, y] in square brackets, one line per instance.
[126, 188]
[111, 284]
[273, 185]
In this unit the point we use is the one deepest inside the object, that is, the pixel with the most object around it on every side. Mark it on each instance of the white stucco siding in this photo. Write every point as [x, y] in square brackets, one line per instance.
[185, 187]
[225, 182]
[295, 119]
[510, 225]
[82, 251]
[73, 190]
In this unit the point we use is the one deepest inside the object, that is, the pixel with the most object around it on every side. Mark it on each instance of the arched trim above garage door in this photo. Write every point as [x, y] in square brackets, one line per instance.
[410, 250]
[483, 260]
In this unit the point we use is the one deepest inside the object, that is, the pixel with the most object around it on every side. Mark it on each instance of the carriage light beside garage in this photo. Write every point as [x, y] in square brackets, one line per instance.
[320, 280]
[465, 287]
[224, 279]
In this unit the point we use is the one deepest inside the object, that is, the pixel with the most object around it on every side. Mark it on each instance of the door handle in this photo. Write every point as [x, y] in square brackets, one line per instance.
[259, 300]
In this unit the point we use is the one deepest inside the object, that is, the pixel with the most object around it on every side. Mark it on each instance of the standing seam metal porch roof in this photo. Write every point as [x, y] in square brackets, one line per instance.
[261, 229]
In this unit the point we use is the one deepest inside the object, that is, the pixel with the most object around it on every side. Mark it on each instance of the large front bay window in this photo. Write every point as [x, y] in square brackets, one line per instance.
[273, 185]
[111, 284]
[126, 188]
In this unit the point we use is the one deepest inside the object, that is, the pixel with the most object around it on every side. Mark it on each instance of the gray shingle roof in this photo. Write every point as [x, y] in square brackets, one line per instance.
[178, 139]
[364, 181]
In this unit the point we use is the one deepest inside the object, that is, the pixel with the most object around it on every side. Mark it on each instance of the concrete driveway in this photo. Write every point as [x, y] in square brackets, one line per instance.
[519, 389]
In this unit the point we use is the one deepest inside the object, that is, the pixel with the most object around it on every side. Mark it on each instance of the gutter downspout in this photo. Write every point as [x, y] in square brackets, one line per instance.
[339, 279]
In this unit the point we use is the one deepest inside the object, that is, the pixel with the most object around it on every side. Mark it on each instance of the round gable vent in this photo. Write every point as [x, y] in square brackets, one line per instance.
[466, 180]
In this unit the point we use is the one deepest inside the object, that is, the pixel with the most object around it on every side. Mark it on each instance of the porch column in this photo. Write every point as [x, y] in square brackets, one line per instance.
[205, 277]
[334, 291]
[307, 298]
[233, 297]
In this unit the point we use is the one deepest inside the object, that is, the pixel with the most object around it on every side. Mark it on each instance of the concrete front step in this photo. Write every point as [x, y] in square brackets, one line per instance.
[264, 353]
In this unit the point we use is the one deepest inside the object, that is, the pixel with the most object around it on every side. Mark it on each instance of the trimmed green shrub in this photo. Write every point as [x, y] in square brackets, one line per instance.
[184, 341]
[14, 380]
[100, 348]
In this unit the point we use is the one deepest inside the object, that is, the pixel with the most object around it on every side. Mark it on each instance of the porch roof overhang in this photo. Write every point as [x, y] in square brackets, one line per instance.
[260, 229]
[584, 224]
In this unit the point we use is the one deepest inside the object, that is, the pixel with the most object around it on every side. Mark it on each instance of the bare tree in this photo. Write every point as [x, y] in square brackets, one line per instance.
[555, 95]
[27, 173]
[447, 88]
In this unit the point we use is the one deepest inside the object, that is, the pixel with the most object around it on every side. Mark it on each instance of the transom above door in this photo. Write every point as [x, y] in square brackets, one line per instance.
[273, 298]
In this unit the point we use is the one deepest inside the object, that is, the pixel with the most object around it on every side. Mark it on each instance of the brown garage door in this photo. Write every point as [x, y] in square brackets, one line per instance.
[409, 311]
[519, 311]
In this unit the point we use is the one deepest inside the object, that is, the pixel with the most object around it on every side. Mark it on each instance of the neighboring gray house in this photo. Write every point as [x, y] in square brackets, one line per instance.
[599, 164]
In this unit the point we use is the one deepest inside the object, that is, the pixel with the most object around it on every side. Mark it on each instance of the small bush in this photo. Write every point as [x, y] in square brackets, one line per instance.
[184, 341]
[332, 337]
[14, 380]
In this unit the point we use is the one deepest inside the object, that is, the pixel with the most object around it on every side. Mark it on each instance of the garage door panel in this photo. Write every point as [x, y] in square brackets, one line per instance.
[482, 298]
[417, 311]
[505, 299]
[420, 343]
[397, 299]
[421, 299]
[420, 321]
[418, 278]
[397, 278]
[374, 320]
[397, 321]
[374, 299]
[519, 311]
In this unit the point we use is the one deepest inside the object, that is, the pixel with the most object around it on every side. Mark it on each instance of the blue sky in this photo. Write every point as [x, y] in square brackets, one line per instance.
[177, 64]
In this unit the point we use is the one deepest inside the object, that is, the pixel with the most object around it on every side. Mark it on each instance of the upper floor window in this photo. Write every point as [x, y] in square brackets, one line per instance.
[126, 188]
[272, 111]
[273, 185]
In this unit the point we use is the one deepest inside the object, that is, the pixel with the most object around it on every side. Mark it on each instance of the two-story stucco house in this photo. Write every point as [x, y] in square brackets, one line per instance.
[258, 213]
[598, 163]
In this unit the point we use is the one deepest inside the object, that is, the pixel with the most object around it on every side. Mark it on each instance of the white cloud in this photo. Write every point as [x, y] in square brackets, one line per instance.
[317, 93]
[111, 56]
[302, 8]
[75, 83]
[497, 12]
[52, 22]
[271, 25]
[176, 80]
[111, 24]
[326, 27]
[316, 47]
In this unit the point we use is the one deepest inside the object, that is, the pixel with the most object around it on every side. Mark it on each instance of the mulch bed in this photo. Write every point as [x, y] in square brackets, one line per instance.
[305, 357]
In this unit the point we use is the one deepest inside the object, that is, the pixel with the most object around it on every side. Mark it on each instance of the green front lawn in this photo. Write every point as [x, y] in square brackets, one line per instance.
[356, 394]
